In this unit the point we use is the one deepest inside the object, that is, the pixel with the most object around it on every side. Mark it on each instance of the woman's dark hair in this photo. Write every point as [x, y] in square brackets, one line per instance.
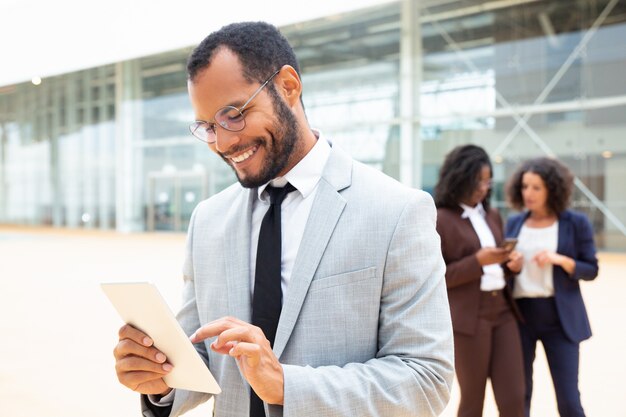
[557, 177]
[261, 49]
[459, 176]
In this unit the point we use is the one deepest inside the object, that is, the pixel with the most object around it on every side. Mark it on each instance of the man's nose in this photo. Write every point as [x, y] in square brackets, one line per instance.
[225, 139]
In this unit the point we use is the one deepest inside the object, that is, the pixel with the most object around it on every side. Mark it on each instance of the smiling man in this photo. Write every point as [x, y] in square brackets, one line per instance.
[315, 285]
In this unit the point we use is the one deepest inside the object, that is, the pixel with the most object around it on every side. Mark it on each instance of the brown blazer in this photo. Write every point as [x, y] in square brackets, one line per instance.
[459, 244]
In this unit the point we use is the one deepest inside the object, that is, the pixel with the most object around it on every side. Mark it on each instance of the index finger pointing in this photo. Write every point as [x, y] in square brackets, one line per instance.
[216, 327]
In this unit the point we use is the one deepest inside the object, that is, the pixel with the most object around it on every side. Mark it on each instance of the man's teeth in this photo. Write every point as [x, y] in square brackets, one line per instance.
[243, 156]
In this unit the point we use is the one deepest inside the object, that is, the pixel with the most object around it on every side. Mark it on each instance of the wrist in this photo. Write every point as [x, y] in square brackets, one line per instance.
[278, 396]
[163, 394]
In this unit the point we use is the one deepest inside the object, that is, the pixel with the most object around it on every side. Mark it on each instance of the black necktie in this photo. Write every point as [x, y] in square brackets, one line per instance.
[267, 298]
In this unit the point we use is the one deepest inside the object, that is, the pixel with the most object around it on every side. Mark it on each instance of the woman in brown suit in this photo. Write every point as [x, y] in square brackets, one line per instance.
[486, 337]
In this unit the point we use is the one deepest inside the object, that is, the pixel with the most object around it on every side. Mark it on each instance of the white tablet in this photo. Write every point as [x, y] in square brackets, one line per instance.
[141, 305]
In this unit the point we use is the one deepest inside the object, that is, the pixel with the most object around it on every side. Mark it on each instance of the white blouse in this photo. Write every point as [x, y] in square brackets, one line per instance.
[535, 281]
[493, 275]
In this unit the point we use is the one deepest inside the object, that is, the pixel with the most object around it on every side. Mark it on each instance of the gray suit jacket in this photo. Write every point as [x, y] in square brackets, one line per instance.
[365, 326]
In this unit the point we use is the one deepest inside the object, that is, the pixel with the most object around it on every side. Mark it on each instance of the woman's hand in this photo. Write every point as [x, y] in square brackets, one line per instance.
[488, 256]
[546, 257]
[516, 261]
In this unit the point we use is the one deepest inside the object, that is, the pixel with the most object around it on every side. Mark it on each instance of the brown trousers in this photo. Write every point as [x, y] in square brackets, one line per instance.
[495, 352]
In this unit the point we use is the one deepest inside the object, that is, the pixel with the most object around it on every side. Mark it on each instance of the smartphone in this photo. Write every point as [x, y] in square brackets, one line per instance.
[509, 243]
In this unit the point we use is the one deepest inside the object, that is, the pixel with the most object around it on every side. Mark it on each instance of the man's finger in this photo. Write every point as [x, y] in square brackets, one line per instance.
[250, 352]
[224, 350]
[215, 327]
[128, 347]
[247, 333]
[129, 332]
[135, 363]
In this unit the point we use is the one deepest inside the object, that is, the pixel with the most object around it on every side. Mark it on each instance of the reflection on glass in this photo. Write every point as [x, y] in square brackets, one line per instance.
[522, 79]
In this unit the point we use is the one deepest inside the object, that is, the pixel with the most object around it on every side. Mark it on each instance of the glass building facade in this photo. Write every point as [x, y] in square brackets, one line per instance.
[397, 86]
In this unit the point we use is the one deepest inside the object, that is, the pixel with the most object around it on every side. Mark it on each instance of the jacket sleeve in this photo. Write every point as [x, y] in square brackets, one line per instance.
[458, 271]
[508, 274]
[463, 271]
[585, 258]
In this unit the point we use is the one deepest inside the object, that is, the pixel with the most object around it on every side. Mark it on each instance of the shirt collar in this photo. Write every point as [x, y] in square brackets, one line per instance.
[472, 211]
[307, 173]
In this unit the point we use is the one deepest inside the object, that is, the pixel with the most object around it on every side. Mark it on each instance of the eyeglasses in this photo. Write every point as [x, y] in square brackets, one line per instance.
[229, 118]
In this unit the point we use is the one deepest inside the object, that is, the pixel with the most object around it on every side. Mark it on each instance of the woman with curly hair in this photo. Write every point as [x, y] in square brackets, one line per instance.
[559, 251]
[486, 338]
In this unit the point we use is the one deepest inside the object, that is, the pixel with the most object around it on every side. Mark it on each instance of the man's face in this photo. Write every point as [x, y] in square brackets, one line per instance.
[269, 145]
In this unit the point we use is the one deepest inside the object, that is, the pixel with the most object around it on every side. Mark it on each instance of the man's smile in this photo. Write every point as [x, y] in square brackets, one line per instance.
[245, 155]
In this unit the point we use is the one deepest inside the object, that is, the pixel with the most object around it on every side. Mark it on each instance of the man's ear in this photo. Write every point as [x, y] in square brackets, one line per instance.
[289, 85]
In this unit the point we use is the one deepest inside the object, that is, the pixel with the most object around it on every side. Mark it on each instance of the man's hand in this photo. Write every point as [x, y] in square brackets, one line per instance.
[255, 358]
[139, 365]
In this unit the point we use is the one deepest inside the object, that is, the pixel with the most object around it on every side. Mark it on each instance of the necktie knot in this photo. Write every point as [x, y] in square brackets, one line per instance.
[277, 195]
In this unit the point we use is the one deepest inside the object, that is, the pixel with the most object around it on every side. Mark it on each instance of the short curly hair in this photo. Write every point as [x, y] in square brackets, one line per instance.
[558, 179]
[261, 49]
[459, 176]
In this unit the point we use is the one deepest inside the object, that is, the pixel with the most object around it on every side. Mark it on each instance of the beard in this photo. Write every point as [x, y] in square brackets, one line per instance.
[279, 149]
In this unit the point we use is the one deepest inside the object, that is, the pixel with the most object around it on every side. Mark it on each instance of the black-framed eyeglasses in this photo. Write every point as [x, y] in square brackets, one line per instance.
[229, 118]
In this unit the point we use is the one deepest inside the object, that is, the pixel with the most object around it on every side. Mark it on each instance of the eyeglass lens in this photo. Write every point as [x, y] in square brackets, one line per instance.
[230, 118]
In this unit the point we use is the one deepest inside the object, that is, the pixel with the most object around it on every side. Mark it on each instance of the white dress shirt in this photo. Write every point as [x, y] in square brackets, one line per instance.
[295, 210]
[533, 280]
[493, 275]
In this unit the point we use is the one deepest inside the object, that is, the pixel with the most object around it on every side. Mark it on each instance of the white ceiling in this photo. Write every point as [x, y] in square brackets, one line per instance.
[40, 38]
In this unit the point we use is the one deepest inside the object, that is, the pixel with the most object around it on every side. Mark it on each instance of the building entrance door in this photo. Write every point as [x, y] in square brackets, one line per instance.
[172, 198]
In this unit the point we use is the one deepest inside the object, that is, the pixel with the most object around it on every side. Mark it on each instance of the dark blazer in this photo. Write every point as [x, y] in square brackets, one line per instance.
[459, 244]
[575, 240]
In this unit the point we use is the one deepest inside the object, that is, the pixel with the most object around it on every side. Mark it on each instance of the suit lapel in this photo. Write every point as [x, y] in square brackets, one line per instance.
[564, 233]
[517, 225]
[237, 253]
[325, 214]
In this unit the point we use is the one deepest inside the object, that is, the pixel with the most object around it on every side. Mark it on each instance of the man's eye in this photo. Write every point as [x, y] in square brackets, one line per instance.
[235, 117]
[232, 114]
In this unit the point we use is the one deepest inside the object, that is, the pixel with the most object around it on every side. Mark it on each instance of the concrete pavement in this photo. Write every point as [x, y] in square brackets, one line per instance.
[58, 329]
